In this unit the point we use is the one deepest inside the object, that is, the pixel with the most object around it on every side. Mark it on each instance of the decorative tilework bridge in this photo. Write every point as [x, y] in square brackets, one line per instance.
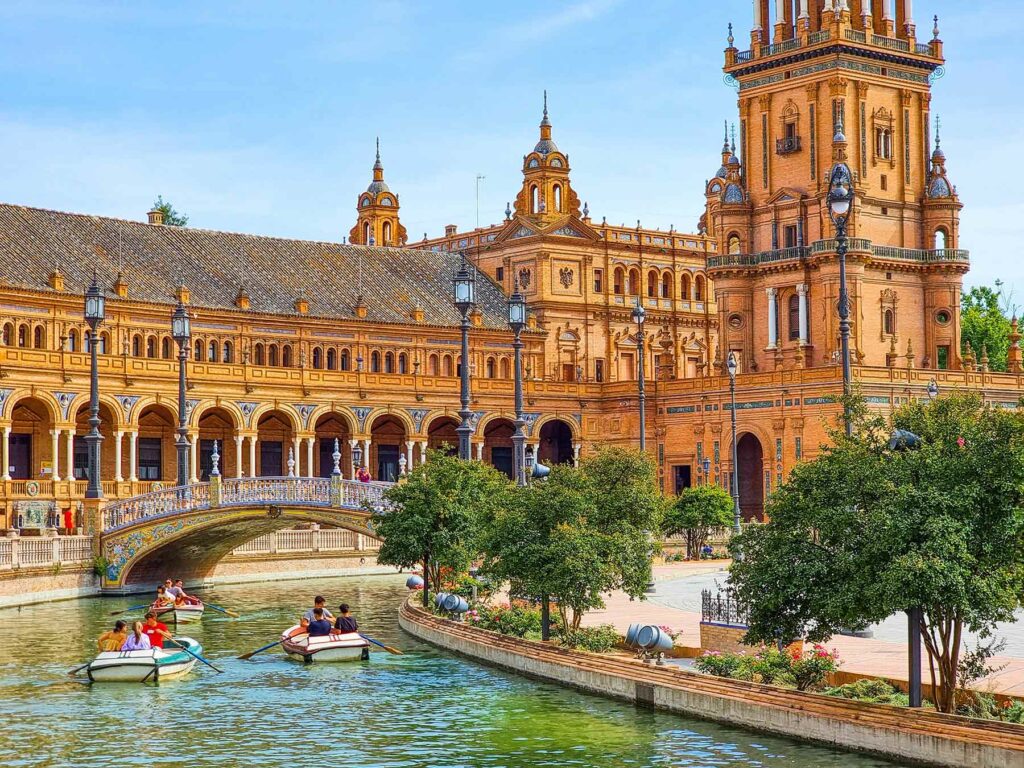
[184, 531]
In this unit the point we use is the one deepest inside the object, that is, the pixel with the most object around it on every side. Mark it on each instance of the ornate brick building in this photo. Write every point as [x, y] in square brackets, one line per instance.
[297, 344]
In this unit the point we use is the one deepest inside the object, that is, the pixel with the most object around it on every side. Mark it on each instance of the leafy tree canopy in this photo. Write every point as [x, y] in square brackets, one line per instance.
[171, 217]
[984, 322]
[695, 512]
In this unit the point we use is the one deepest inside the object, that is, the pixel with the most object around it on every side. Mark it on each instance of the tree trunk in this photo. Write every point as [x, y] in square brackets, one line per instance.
[942, 639]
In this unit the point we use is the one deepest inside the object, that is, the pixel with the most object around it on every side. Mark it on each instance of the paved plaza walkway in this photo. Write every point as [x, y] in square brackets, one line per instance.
[675, 602]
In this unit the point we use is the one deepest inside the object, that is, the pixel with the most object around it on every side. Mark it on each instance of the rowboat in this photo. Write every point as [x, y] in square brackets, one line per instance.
[331, 648]
[180, 614]
[151, 664]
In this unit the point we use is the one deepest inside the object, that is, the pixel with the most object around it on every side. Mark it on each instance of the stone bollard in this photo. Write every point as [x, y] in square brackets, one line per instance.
[337, 486]
[215, 491]
[92, 509]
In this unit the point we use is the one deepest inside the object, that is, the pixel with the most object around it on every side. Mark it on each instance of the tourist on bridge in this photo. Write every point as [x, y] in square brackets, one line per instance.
[363, 475]
[138, 640]
[155, 630]
[318, 602]
[113, 639]
[346, 622]
[319, 626]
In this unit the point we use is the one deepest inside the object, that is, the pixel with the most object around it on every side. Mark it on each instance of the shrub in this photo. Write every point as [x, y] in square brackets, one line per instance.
[463, 586]
[719, 664]
[507, 619]
[770, 665]
[872, 691]
[810, 668]
[599, 639]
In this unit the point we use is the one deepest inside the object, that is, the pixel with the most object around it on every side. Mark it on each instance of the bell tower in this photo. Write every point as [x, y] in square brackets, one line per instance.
[825, 79]
[377, 222]
[547, 193]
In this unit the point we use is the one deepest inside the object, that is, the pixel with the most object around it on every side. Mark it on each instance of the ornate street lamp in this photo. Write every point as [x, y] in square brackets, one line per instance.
[357, 459]
[933, 390]
[639, 315]
[465, 284]
[840, 201]
[95, 311]
[181, 330]
[517, 321]
[732, 365]
[707, 470]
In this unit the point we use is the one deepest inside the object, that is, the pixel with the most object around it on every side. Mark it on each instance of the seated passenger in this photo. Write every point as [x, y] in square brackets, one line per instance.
[163, 598]
[137, 640]
[319, 602]
[155, 630]
[346, 622]
[179, 587]
[319, 626]
[114, 639]
[302, 629]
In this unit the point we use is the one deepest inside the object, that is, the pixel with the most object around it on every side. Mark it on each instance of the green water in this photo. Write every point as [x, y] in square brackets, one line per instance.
[425, 709]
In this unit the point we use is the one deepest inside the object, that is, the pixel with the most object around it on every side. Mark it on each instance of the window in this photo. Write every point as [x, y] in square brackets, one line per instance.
[681, 478]
[198, 355]
[375, 362]
[258, 355]
[599, 370]
[634, 282]
[942, 358]
[883, 143]
[403, 363]
[286, 356]
[619, 280]
[389, 362]
[889, 322]
[447, 367]
[505, 368]
[228, 356]
[789, 234]
[37, 338]
[165, 348]
[699, 288]
[104, 343]
[212, 351]
[598, 281]
[386, 233]
[150, 458]
[432, 368]
[490, 367]
[794, 317]
[22, 335]
[346, 360]
[80, 457]
[685, 284]
[652, 284]
[318, 358]
[332, 360]
[499, 274]
[666, 285]
[136, 345]
[939, 241]
[534, 204]
[885, 186]
[272, 354]
[557, 194]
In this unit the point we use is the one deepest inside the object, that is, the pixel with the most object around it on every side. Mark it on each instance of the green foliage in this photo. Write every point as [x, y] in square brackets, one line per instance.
[695, 512]
[599, 639]
[770, 665]
[984, 323]
[171, 217]
[579, 534]
[808, 670]
[99, 565]
[463, 585]
[871, 691]
[515, 620]
[789, 668]
[863, 532]
[720, 664]
[435, 514]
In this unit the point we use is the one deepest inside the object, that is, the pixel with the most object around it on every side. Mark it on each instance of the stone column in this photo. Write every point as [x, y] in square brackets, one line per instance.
[133, 452]
[239, 439]
[366, 457]
[352, 463]
[6, 458]
[408, 456]
[423, 451]
[773, 318]
[70, 453]
[803, 10]
[193, 470]
[297, 450]
[117, 456]
[479, 451]
[54, 454]
[252, 455]
[576, 454]
[801, 291]
[758, 22]
[309, 457]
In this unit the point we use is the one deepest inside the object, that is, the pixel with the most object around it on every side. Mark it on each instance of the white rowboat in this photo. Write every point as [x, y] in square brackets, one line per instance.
[181, 614]
[329, 648]
[152, 664]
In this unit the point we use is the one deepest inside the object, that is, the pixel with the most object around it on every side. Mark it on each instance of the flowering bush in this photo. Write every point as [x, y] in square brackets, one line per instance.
[803, 671]
[810, 668]
[599, 639]
[771, 665]
[507, 619]
[719, 664]
[673, 633]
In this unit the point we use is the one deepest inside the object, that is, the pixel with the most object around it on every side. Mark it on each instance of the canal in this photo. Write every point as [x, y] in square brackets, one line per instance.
[423, 709]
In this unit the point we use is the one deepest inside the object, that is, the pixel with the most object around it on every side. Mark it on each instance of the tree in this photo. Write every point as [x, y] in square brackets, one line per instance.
[171, 217]
[434, 515]
[865, 531]
[984, 323]
[579, 534]
[695, 512]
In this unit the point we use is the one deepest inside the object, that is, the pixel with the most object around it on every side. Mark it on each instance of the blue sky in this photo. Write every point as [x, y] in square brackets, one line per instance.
[260, 116]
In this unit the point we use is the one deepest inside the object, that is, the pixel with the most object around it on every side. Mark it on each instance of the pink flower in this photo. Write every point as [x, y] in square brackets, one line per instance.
[961, 442]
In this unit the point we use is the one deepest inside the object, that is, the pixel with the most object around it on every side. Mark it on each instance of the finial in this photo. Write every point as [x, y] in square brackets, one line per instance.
[508, 212]
[731, 38]
[935, 29]
[215, 461]
[586, 210]
[545, 121]
[938, 131]
[733, 147]
[377, 165]
[840, 136]
[336, 458]
[725, 139]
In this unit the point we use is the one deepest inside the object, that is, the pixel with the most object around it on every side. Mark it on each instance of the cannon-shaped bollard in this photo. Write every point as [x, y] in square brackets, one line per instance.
[414, 582]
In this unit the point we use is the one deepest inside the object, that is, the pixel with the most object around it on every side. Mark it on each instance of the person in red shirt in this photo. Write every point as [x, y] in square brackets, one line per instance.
[155, 630]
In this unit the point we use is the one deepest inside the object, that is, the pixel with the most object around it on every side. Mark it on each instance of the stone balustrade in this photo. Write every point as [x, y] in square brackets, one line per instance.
[18, 552]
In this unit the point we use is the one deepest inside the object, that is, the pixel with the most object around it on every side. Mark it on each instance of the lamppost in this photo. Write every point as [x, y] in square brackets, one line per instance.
[840, 200]
[357, 459]
[181, 330]
[639, 315]
[464, 289]
[517, 321]
[707, 470]
[731, 365]
[95, 305]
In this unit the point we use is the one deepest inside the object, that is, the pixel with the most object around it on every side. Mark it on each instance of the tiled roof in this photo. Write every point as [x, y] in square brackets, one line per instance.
[155, 259]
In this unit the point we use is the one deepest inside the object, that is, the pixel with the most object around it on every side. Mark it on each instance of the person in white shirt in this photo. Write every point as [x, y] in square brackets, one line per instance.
[318, 602]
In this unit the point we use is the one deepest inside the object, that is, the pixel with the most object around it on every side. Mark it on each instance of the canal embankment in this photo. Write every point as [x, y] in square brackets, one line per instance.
[918, 736]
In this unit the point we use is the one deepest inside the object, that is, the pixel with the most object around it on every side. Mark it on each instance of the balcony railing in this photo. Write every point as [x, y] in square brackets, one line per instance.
[819, 37]
[829, 246]
[755, 259]
[922, 255]
[785, 45]
[307, 541]
[855, 35]
[925, 49]
[892, 43]
[744, 56]
[787, 145]
[856, 244]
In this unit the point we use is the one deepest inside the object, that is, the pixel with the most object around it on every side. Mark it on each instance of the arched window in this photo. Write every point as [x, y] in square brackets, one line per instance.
[8, 334]
[273, 355]
[534, 200]
[228, 350]
[136, 346]
[38, 339]
[685, 284]
[634, 282]
[165, 348]
[504, 368]
[259, 355]
[389, 362]
[793, 312]
[87, 341]
[557, 195]
[432, 365]
[652, 284]
[211, 351]
[22, 335]
[366, 233]
[346, 360]
[151, 346]
[403, 362]
[375, 362]
[939, 241]
[104, 343]
[199, 345]
[490, 368]
[286, 355]
[619, 280]
[733, 243]
[889, 322]
[332, 360]
[318, 358]
[699, 288]
[72, 341]
[666, 285]
[447, 370]
[386, 233]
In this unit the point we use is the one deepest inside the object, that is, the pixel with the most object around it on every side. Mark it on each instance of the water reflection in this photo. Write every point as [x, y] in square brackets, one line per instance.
[423, 709]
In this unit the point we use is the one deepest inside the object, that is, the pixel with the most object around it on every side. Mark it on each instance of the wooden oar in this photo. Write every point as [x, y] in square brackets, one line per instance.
[268, 647]
[76, 670]
[232, 614]
[133, 608]
[192, 653]
[387, 648]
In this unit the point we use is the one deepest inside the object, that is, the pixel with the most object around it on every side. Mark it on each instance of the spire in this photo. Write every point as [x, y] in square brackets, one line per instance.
[935, 29]
[377, 165]
[732, 147]
[725, 141]
[545, 122]
[731, 39]
[545, 146]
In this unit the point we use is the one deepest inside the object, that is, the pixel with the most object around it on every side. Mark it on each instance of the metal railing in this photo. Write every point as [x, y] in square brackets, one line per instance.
[722, 608]
[787, 145]
[819, 37]
[754, 259]
[924, 49]
[855, 35]
[743, 56]
[892, 43]
[829, 246]
[785, 45]
[920, 254]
